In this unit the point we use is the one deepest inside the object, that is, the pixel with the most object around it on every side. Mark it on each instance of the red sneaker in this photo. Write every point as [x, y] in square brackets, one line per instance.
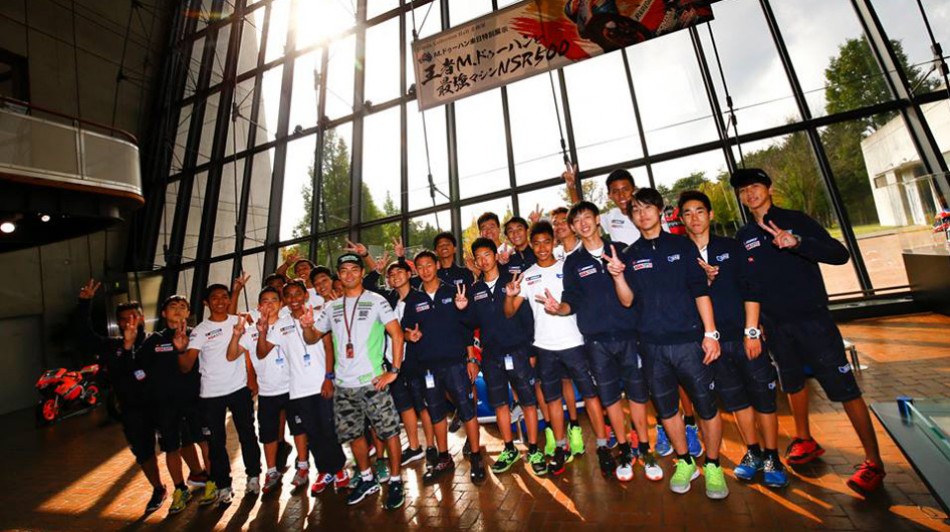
[867, 478]
[341, 480]
[322, 483]
[803, 451]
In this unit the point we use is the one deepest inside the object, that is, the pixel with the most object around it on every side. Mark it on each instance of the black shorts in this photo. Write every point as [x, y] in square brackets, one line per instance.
[268, 417]
[408, 392]
[667, 367]
[139, 426]
[454, 381]
[178, 424]
[521, 376]
[741, 383]
[554, 366]
[616, 367]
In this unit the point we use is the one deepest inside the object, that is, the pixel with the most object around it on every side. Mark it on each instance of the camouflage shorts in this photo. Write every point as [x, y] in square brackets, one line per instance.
[352, 406]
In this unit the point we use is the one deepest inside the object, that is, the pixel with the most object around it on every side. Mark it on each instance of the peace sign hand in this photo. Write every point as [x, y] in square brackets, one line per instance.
[513, 288]
[570, 175]
[551, 305]
[357, 248]
[307, 320]
[614, 265]
[382, 261]
[398, 248]
[180, 340]
[461, 302]
[535, 214]
[240, 282]
[264, 322]
[88, 291]
[781, 238]
[240, 325]
[711, 271]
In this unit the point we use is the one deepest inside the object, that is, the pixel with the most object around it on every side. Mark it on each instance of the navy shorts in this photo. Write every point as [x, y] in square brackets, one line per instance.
[616, 367]
[521, 377]
[454, 381]
[741, 383]
[268, 417]
[178, 424]
[139, 426]
[407, 392]
[553, 366]
[815, 343]
[666, 367]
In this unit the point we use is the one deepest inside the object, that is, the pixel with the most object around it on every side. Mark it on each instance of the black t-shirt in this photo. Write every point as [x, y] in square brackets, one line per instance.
[157, 360]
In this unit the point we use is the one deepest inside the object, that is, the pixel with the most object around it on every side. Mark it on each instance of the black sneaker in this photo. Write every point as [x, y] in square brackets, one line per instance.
[556, 466]
[477, 473]
[432, 457]
[362, 489]
[410, 455]
[607, 463]
[467, 449]
[443, 465]
[455, 424]
[158, 497]
[395, 498]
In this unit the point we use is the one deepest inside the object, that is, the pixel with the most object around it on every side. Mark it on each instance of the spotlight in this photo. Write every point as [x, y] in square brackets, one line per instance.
[44, 218]
[7, 227]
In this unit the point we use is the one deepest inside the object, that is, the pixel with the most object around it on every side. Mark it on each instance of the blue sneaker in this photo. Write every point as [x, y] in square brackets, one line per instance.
[775, 474]
[662, 447]
[363, 489]
[611, 438]
[749, 466]
[692, 441]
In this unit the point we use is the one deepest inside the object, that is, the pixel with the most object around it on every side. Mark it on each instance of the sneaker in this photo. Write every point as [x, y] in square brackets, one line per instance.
[440, 467]
[395, 497]
[467, 448]
[197, 480]
[455, 424]
[320, 485]
[663, 446]
[224, 497]
[750, 464]
[432, 457]
[611, 438]
[556, 467]
[624, 471]
[410, 455]
[716, 488]
[180, 499]
[536, 460]
[505, 460]
[775, 475]
[575, 438]
[301, 478]
[692, 441]
[363, 489]
[867, 478]
[253, 486]
[341, 480]
[607, 463]
[549, 441]
[477, 472]
[271, 482]
[802, 451]
[382, 471]
[210, 494]
[353, 479]
[651, 469]
[683, 475]
[158, 497]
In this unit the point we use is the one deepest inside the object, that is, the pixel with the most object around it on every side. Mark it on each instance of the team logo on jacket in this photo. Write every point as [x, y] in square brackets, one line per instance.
[481, 295]
[446, 300]
[673, 258]
[642, 264]
[723, 257]
[590, 269]
[164, 348]
[420, 307]
[752, 243]
[844, 369]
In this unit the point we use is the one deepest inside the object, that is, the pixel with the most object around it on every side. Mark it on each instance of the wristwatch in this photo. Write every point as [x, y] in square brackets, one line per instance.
[753, 333]
[713, 334]
[330, 376]
[473, 360]
[394, 370]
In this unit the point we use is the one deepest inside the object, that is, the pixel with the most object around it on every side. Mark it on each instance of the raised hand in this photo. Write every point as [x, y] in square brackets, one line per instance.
[504, 254]
[357, 248]
[413, 335]
[781, 238]
[513, 288]
[570, 175]
[240, 325]
[307, 320]
[88, 291]
[398, 248]
[461, 302]
[264, 322]
[470, 264]
[614, 265]
[382, 261]
[535, 214]
[180, 339]
[551, 305]
[711, 271]
[240, 282]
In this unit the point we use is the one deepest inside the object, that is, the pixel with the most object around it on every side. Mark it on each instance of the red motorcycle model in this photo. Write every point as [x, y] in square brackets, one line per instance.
[65, 393]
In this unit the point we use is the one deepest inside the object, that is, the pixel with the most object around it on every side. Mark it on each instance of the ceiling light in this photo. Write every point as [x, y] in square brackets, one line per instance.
[44, 218]
[8, 227]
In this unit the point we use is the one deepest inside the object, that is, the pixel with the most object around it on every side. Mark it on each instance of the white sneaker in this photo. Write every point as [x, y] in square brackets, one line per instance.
[253, 485]
[624, 472]
[224, 497]
[301, 478]
[651, 469]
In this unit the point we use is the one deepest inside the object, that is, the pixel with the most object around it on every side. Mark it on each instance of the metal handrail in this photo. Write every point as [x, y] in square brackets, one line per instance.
[6, 101]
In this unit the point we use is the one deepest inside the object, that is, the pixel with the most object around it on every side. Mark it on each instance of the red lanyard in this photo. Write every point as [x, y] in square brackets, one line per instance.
[348, 324]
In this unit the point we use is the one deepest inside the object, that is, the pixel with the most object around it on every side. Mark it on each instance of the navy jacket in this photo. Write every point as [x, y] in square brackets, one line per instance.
[666, 279]
[498, 334]
[793, 289]
[735, 284]
[445, 336]
[519, 261]
[117, 362]
[589, 290]
[162, 378]
[372, 283]
[455, 274]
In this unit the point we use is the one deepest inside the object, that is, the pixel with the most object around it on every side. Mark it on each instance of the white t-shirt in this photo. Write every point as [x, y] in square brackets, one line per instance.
[307, 363]
[219, 377]
[560, 253]
[619, 227]
[315, 300]
[368, 315]
[273, 371]
[554, 333]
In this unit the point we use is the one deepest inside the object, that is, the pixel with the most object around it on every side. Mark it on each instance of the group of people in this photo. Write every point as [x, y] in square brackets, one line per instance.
[634, 317]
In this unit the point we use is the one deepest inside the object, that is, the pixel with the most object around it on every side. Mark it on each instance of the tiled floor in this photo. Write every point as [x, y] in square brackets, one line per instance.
[79, 475]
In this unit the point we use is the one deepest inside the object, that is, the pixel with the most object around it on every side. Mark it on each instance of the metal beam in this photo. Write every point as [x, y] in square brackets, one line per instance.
[359, 108]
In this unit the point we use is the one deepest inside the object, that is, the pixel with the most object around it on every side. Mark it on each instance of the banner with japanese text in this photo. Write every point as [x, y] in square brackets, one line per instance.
[535, 36]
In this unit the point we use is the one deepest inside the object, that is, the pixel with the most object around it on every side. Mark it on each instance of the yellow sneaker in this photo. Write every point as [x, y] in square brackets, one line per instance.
[210, 494]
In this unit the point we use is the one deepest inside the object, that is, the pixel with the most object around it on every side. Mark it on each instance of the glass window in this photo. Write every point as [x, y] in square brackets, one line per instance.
[296, 208]
[189, 250]
[220, 272]
[220, 55]
[381, 192]
[469, 217]
[240, 128]
[340, 78]
[277, 30]
[184, 287]
[165, 228]
[379, 239]
[181, 140]
[419, 187]
[461, 12]
[422, 229]
[303, 104]
[482, 150]
[232, 177]
[270, 104]
[329, 248]
[903, 23]
[706, 172]
[317, 21]
[534, 129]
[253, 265]
[258, 203]
[207, 128]
[194, 67]
[382, 61]
[427, 21]
[251, 36]
[377, 7]
[595, 188]
[544, 200]
[605, 127]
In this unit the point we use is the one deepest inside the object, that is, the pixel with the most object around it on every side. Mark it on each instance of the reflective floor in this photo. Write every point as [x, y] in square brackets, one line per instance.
[78, 475]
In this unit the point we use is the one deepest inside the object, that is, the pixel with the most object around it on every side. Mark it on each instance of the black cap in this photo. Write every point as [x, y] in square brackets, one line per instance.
[748, 176]
[348, 257]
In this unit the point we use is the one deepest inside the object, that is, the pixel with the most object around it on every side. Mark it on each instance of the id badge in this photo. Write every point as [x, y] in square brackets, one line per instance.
[139, 375]
[509, 363]
[430, 381]
[306, 359]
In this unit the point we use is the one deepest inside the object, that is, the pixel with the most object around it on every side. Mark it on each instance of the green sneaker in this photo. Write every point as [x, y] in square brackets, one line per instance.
[683, 475]
[210, 494]
[179, 500]
[549, 442]
[575, 438]
[715, 482]
[505, 460]
[539, 466]
[382, 471]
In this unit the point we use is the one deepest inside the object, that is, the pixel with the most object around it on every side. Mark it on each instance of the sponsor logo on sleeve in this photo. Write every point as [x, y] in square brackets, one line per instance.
[752, 243]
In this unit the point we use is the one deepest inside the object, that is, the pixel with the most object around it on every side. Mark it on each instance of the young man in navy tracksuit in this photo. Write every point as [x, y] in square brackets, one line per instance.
[745, 379]
[661, 276]
[506, 356]
[436, 327]
[787, 247]
[451, 273]
[522, 256]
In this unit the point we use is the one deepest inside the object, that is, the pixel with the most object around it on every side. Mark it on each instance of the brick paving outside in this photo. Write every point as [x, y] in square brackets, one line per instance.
[79, 475]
